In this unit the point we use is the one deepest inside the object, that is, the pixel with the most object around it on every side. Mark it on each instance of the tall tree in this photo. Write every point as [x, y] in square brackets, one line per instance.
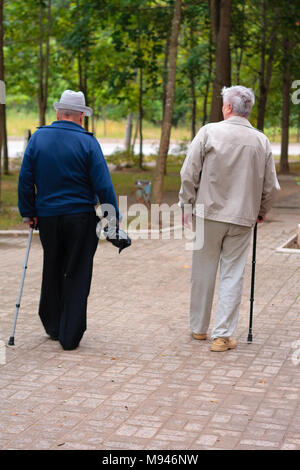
[137, 32]
[44, 54]
[241, 35]
[221, 25]
[286, 88]
[268, 47]
[208, 79]
[3, 131]
[289, 67]
[169, 105]
[78, 40]
[1, 78]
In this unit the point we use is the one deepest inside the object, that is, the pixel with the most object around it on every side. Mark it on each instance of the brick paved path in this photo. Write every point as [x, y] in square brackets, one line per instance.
[138, 380]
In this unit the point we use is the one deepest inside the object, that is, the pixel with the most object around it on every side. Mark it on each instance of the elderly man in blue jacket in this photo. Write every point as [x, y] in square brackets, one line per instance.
[63, 175]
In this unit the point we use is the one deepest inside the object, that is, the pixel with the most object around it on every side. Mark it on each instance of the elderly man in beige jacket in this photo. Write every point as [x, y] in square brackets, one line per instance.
[229, 173]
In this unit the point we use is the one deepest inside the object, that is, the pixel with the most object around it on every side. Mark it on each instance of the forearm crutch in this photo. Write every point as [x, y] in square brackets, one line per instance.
[11, 340]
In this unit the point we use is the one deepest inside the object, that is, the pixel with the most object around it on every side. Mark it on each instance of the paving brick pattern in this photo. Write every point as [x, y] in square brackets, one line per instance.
[138, 379]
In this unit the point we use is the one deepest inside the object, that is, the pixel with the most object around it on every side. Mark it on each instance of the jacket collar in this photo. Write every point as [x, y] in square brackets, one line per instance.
[238, 120]
[69, 125]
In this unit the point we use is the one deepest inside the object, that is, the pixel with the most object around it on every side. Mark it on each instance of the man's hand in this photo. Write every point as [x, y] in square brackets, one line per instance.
[260, 219]
[187, 220]
[31, 221]
[116, 236]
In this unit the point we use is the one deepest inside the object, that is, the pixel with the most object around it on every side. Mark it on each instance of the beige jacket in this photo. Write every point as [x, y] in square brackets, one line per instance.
[229, 169]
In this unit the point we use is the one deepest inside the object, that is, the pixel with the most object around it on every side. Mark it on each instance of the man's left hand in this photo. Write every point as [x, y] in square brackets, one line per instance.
[116, 236]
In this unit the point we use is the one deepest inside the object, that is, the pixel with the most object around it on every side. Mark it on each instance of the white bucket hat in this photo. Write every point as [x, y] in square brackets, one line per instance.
[73, 101]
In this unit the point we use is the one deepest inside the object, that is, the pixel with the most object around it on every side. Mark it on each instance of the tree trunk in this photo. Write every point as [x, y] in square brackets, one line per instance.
[128, 132]
[93, 118]
[85, 88]
[168, 114]
[141, 112]
[262, 88]
[43, 62]
[240, 47]
[221, 23]
[265, 73]
[164, 85]
[82, 60]
[165, 75]
[104, 121]
[284, 163]
[3, 133]
[208, 78]
[1, 78]
[193, 92]
[82, 65]
[135, 135]
[194, 107]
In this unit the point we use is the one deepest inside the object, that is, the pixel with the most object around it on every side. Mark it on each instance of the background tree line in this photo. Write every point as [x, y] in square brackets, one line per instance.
[163, 61]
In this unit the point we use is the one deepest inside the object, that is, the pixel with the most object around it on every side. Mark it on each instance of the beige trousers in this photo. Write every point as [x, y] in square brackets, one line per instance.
[227, 244]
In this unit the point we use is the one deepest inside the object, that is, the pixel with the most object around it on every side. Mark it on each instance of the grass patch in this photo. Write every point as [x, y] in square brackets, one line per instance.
[9, 189]
[10, 219]
[9, 214]
[292, 158]
[294, 167]
[19, 122]
[124, 180]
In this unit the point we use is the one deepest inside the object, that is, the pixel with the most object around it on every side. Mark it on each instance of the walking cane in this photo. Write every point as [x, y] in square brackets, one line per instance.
[11, 340]
[252, 281]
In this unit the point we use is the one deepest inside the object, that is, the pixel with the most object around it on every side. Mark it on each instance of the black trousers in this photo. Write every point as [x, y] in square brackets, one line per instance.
[69, 244]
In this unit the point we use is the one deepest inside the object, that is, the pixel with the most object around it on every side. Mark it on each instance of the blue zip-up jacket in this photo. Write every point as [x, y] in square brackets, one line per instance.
[63, 172]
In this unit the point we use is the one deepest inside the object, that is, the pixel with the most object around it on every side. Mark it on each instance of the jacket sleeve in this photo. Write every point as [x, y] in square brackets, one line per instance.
[100, 178]
[191, 170]
[270, 185]
[26, 185]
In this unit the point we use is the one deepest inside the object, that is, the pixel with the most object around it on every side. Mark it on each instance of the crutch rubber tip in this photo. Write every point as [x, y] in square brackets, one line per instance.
[11, 341]
[249, 338]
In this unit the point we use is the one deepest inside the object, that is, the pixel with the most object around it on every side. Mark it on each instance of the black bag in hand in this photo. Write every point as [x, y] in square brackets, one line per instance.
[115, 235]
[121, 240]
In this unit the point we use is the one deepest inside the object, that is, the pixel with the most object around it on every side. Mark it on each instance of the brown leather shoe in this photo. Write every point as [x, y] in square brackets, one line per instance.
[199, 336]
[223, 344]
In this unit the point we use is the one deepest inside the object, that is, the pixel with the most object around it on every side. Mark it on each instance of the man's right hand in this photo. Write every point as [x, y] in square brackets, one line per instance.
[260, 219]
[187, 220]
[31, 221]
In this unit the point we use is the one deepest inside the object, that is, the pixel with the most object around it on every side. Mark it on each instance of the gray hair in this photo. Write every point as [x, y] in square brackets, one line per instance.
[68, 113]
[241, 98]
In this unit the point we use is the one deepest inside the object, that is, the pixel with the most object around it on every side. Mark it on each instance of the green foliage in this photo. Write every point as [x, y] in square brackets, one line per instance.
[100, 46]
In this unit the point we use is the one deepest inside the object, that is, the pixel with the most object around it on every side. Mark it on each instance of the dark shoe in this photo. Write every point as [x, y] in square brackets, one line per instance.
[69, 347]
[54, 338]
